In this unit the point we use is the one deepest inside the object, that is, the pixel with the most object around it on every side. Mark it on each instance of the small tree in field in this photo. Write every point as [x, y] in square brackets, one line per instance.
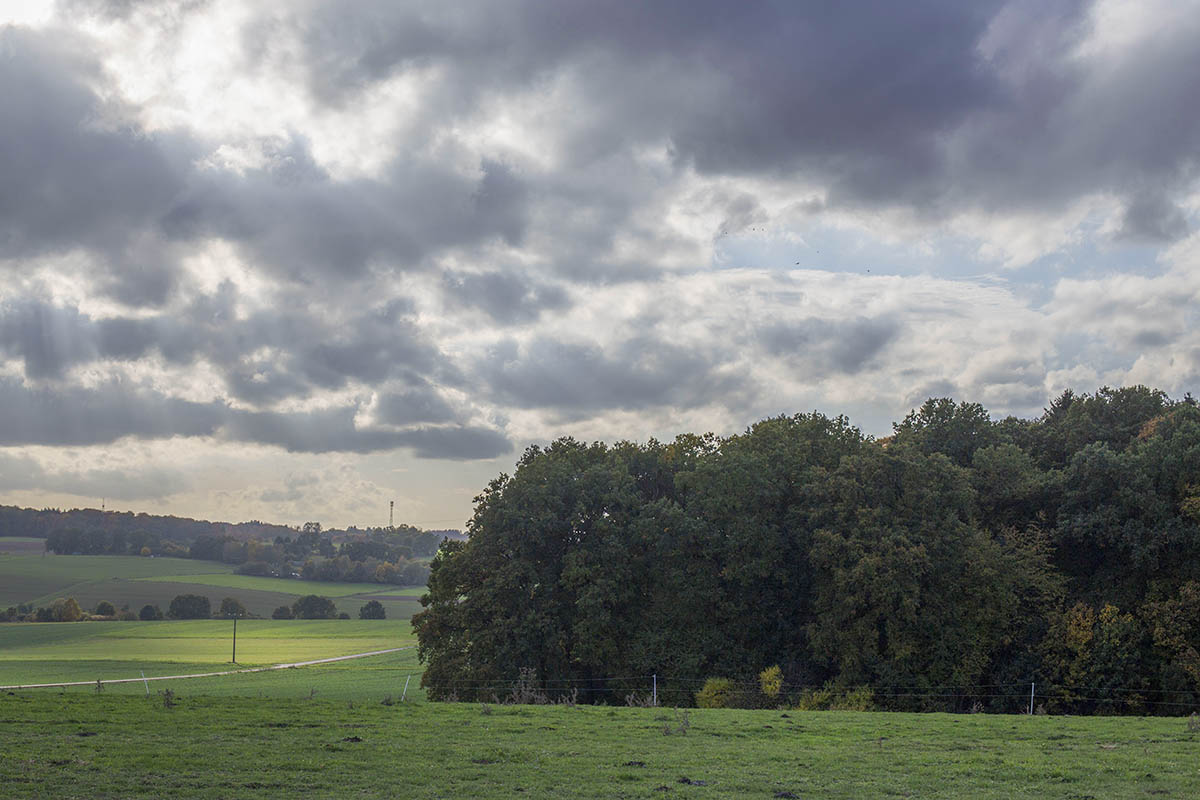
[66, 610]
[190, 606]
[231, 607]
[313, 606]
[105, 609]
[283, 612]
[372, 610]
[149, 613]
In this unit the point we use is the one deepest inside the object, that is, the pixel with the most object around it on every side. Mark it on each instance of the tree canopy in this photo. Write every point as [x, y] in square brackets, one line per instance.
[960, 551]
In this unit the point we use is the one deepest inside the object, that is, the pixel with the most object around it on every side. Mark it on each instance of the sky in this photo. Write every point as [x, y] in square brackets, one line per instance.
[292, 261]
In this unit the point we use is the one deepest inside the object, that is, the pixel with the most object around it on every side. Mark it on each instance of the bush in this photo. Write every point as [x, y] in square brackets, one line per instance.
[716, 693]
[149, 613]
[190, 606]
[831, 699]
[314, 606]
[372, 610]
[770, 681]
[67, 610]
[231, 607]
[105, 609]
[283, 612]
[343, 615]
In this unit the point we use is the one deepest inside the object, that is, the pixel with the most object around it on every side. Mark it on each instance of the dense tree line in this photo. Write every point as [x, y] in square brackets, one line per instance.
[396, 555]
[180, 531]
[959, 552]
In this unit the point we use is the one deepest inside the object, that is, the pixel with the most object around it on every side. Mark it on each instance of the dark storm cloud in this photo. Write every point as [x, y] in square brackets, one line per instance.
[79, 416]
[335, 430]
[830, 346]
[78, 174]
[1153, 218]
[640, 372]
[420, 404]
[306, 354]
[104, 414]
[937, 106]
[75, 173]
[292, 218]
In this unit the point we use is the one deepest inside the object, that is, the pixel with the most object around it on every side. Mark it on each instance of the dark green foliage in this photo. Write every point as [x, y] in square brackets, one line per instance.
[231, 607]
[283, 612]
[150, 612]
[313, 606]
[372, 610]
[190, 606]
[106, 609]
[960, 552]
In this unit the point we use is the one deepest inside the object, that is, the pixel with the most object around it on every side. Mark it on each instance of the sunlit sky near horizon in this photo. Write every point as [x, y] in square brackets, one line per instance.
[290, 261]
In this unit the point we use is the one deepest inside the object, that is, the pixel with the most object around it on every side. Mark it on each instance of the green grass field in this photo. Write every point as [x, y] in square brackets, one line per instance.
[87, 651]
[136, 581]
[89, 745]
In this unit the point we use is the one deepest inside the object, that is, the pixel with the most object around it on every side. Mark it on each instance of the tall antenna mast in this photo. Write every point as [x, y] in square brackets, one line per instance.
[391, 513]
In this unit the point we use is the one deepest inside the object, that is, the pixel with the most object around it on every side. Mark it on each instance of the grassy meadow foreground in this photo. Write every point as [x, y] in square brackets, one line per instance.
[88, 745]
[89, 651]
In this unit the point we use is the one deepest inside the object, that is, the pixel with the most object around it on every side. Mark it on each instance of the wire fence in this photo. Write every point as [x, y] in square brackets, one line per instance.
[1012, 698]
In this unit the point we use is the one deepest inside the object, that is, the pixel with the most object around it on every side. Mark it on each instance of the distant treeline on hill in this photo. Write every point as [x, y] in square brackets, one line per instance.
[40, 523]
[957, 554]
[396, 555]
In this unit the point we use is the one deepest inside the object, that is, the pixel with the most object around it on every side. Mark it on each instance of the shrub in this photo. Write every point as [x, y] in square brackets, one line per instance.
[190, 606]
[314, 606]
[67, 610]
[150, 612]
[716, 693]
[343, 615]
[770, 681]
[829, 698]
[231, 607]
[283, 612]
[105, 609]
[372, 610]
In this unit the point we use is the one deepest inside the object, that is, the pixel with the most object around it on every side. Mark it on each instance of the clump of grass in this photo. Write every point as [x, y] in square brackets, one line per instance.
[680, 726]
[168, 698]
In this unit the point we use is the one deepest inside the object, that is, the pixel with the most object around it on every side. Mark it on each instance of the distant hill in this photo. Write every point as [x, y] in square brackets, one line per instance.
[40, 523]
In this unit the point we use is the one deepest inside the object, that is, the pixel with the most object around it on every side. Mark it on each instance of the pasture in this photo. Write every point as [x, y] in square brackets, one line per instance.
[87, 651]
[135, 581]
[89, 745]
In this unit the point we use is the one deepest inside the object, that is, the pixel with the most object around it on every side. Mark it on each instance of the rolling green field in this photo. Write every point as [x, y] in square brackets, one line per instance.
[136, 581]
[88, 745]
[87, 651]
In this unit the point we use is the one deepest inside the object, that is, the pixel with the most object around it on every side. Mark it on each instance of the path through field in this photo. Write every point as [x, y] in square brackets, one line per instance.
[314, 662]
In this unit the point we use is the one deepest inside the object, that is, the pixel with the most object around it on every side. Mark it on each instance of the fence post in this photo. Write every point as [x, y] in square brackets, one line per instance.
[146, 682]
[654, 691]
[404, 694]
[1031, 688]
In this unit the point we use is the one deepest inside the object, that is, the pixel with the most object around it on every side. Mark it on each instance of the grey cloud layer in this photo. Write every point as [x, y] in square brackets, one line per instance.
[105, 414]
[463, 282]
[939, 106]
